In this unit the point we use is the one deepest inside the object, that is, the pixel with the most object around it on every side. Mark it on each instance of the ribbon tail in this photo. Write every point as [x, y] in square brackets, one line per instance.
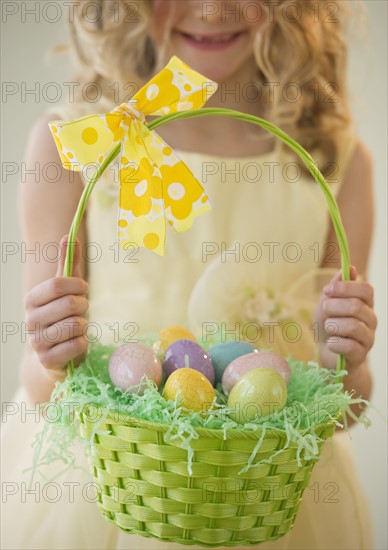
[183, 196]
[141, 222]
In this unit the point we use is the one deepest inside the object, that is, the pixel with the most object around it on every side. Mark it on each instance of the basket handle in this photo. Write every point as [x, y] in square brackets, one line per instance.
[206, 112]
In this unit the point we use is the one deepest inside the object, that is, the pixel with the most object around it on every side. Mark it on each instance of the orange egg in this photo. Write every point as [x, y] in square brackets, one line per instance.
[169, 335]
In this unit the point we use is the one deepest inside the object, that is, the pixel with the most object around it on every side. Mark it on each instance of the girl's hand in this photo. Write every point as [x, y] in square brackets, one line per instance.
[56, 316]
[347, 320]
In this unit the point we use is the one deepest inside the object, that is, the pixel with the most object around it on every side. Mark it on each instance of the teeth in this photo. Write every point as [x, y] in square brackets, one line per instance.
[212, 40]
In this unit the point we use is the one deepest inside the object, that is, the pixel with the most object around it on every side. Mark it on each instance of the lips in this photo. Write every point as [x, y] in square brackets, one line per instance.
[210, 41]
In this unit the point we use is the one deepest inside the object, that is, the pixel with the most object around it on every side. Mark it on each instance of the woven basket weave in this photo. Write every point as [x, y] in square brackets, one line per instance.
[144, 481]
[145, 488]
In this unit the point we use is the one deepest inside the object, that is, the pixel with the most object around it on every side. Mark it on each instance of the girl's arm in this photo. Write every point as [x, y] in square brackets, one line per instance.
[46, 211]
[349, 305]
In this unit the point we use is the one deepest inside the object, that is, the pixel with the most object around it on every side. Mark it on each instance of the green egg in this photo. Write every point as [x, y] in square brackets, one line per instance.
[260, 392]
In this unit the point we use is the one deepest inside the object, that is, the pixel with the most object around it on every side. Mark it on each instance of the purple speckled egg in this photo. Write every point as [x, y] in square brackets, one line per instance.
[246, 363]
[130, 363]
[188, 354]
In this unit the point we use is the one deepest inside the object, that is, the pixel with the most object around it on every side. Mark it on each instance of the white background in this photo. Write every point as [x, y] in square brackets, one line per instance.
[25, 44]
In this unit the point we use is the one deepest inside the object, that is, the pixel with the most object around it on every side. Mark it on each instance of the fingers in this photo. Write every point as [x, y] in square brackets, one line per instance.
[349, 320]
[56, 315]
[350, 289]
[69, 328]
[349, 307]
[338, 276]
[76, 271]
[50, 336]
[350, 338]
[45, 337]
[57, 329]
[354, 352]
[348, 328]
[69, 305]
[56, 357]
[61, 340]
[54, 288]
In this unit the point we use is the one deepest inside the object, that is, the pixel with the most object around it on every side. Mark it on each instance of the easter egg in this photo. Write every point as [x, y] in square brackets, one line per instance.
[192, 389]
[260, 392]
[130, 363]
[223, 354]
[169, 335]
[258, 360]
[188, 354]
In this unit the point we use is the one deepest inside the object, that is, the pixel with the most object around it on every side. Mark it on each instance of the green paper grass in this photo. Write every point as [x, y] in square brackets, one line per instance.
[315, 396]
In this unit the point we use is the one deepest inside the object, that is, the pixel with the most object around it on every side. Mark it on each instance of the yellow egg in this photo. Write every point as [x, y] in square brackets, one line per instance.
[192, 389]
[169, 335]
[260, 392]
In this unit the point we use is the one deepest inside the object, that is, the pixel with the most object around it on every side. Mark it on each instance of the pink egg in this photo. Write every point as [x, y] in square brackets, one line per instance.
[257, 360]
[130, 363]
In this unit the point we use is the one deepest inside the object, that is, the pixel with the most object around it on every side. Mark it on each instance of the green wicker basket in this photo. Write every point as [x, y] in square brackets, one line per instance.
[146, 488]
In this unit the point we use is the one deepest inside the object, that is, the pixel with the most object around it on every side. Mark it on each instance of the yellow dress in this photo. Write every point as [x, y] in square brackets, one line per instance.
[253, 259]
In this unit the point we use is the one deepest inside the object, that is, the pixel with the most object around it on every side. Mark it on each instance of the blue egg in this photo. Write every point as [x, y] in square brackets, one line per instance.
[223, 354]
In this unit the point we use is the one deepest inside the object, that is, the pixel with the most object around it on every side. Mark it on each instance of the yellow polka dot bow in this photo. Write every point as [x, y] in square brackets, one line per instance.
[155, 185]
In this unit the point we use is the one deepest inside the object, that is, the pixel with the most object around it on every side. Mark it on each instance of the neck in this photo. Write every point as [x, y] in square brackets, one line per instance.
[240, 91]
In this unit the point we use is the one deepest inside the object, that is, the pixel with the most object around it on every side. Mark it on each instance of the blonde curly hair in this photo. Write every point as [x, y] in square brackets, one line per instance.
[302, 44]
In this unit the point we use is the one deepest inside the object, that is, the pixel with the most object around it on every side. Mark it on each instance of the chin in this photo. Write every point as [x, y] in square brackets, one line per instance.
[214, 69]
[215, 65]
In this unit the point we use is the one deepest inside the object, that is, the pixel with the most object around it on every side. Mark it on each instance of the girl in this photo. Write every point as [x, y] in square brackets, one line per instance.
[281, 60]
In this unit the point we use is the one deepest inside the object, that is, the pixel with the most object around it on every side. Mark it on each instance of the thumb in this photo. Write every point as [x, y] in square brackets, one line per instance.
[62, 257]
[353, 273]
[338, 277]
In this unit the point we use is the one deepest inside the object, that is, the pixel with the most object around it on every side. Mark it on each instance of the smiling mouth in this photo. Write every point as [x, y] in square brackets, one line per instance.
[211, 41]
